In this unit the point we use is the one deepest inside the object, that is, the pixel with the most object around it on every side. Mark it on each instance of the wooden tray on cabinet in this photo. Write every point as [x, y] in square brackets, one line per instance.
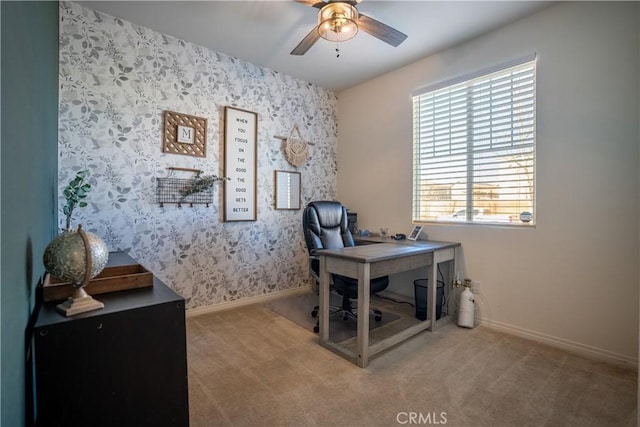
[121, 273]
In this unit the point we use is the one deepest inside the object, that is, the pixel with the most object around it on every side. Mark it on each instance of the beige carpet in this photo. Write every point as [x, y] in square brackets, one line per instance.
[297, 308]
[251, 367]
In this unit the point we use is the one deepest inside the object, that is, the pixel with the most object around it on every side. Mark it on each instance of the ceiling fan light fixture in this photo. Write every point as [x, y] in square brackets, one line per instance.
[337, 22]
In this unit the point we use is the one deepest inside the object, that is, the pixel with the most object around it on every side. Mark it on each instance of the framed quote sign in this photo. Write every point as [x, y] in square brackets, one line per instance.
[240, 164]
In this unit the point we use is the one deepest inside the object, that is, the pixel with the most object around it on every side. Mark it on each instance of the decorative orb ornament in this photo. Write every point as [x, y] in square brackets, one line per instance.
[77, 257]
[526, 216]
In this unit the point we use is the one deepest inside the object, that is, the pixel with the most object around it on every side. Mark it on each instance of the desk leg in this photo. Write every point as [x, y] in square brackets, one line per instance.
[433, 289]
[364, 294]
[451, 297]
[445, 255]
[324, 300]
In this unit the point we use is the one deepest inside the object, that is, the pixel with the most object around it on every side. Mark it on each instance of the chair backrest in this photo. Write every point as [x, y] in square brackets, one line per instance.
[325, 226]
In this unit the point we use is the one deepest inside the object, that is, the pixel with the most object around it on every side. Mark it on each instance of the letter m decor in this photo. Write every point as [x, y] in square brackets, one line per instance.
[184, 134]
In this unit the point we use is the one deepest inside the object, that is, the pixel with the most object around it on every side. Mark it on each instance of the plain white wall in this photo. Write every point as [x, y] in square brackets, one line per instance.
[573, 279]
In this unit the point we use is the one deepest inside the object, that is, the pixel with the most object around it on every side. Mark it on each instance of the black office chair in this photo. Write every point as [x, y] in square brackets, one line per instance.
[325, 227]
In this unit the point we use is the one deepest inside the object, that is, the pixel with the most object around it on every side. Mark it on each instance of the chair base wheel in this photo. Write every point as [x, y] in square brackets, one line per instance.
[378, 318]
[316, 329]
[314, 313]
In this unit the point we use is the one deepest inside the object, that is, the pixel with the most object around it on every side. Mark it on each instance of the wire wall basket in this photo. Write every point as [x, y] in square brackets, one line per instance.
[179, 191]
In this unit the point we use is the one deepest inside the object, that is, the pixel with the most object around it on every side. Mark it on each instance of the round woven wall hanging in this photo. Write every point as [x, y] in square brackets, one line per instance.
[296, 149]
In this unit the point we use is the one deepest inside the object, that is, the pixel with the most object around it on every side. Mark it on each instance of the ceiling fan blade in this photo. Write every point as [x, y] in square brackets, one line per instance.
[306, 42]
[382, 31]
[318, 4]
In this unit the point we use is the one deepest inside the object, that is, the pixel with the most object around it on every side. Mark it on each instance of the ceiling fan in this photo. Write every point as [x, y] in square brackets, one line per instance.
[339, 21]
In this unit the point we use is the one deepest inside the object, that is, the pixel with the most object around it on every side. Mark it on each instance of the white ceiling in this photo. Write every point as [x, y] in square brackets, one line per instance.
[264, 32]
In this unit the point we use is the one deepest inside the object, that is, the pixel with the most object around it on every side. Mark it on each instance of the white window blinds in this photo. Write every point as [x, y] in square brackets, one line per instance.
[474, 148]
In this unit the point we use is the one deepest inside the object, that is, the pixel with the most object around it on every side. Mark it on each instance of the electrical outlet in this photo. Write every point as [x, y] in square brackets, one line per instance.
[475, 287]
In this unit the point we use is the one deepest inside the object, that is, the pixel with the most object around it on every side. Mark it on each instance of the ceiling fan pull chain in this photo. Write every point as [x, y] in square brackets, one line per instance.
[337, 51]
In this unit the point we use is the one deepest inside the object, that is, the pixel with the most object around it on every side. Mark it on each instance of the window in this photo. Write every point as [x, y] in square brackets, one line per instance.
[474, 148]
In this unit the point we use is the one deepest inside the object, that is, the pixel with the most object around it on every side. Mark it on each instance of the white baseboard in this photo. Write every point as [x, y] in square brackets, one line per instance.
[247, 301]
[572, 346]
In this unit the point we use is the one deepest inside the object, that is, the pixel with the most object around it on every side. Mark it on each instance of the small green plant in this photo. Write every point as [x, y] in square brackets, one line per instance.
[201, 183]
[75, 193]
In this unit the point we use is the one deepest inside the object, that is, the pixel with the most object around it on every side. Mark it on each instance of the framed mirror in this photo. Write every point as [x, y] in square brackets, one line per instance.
[287, 189]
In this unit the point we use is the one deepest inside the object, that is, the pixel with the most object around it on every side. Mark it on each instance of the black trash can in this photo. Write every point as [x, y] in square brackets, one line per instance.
[421, 287]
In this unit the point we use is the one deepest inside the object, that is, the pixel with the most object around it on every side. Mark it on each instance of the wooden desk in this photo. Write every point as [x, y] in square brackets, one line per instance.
[367, 262]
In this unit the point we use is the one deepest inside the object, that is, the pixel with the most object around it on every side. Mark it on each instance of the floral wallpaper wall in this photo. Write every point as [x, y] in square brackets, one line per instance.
[116, 79]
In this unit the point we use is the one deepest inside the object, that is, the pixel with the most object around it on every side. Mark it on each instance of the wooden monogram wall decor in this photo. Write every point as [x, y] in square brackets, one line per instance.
[184, 134]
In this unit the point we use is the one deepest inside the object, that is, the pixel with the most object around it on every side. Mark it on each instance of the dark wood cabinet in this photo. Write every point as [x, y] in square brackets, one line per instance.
[124, 365]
